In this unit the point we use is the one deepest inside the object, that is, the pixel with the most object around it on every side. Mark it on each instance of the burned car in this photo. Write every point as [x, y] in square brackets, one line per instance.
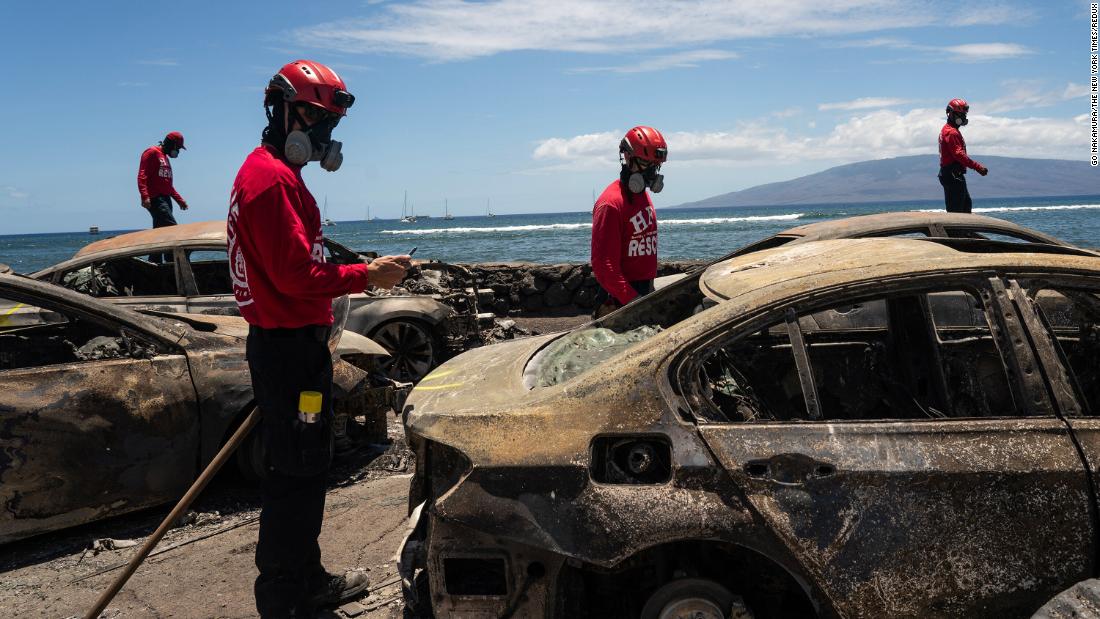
[910, 224]
[430, 317]
[104, 410]
[842, 428]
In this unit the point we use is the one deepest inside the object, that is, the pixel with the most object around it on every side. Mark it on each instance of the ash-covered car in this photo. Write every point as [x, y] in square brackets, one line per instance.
[904, 224]
[842, 428]
[431, 316]
[105, 410]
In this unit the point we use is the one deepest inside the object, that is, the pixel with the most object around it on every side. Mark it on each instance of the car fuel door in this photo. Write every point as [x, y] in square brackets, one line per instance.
[903, 452]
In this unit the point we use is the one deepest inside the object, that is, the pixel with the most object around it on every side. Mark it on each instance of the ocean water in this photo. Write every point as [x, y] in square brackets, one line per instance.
[564, 237]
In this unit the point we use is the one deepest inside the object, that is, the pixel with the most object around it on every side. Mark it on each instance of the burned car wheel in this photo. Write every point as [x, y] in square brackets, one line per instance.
[412, 346]
[250, 457]
[694, 598]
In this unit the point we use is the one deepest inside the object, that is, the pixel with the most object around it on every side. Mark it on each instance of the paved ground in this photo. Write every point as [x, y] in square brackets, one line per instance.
[205, 569]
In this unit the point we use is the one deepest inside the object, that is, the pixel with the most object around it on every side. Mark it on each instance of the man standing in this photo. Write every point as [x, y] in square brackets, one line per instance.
[155, 180]
[284, 289]
[624, 223]
[954, 161]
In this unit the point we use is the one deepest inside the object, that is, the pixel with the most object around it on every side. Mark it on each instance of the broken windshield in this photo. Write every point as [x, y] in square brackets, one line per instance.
[576, 352]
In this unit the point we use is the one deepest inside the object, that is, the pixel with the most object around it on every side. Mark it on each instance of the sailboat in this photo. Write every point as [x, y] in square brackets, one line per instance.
[446, 212]
[406, 218]
[326, 221]
[369, 218]
[488, 208]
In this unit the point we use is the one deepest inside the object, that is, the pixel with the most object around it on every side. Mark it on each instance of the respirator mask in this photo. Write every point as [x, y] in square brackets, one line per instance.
[170, 148]
[314, 143]
[960, 121]
[637, 181]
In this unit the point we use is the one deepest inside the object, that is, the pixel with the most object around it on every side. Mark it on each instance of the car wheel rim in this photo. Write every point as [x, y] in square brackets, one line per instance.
[691, 608]
[410, 348]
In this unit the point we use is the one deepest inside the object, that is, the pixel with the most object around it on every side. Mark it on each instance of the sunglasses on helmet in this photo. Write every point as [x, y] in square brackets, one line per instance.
[315, 114]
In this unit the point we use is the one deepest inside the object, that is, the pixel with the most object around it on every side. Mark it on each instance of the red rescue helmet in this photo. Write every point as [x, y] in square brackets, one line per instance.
[176, 138]
[645, 143]
[958, 106]
[305, 81]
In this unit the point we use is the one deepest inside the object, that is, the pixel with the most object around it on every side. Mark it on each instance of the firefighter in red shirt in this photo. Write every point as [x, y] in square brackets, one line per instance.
[284, 289]
[954, 160]
[624, 223]
[154, 180]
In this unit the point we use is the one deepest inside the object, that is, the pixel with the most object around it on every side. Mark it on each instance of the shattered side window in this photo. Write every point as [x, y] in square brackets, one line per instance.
[32, 336]
[974, 371]
[1074, 317]
[130, 276]
[210, 268]
[91, 279]
[579, 351]
[871, 359]
[990, 234]
[755, 378]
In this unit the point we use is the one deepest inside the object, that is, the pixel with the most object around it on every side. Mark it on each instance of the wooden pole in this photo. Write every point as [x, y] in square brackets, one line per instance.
[188, 498]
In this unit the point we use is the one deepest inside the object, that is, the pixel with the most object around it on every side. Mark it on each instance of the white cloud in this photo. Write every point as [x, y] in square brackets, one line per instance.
[967, 52]
[876, 135]
[980, 52]
[864, 103]
[449, 30]
[1023, 95]
[13, 194]
[1074, 91]
[679, 60]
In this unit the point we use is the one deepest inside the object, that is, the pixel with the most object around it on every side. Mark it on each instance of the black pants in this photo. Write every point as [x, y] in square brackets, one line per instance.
[160, 207]
[955, 194]
[285, 362]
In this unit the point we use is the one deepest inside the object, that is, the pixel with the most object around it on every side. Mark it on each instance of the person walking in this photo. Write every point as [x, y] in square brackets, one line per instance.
[624, 222]
[284, 288]
[155, 180]
[954, 160]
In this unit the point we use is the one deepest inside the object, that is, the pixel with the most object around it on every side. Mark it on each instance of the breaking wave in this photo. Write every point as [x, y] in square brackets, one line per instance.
[579, 225]
[1012, 209]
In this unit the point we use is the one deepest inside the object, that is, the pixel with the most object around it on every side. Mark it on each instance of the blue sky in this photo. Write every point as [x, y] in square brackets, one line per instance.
[521, 102]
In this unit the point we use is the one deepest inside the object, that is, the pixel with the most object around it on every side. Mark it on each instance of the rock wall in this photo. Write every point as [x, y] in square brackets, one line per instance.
[528, 288]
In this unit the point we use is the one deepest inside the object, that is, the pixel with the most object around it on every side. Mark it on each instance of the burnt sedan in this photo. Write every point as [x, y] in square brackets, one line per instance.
[906, 224]
[185, 268]
[104, 410]
[842, 428]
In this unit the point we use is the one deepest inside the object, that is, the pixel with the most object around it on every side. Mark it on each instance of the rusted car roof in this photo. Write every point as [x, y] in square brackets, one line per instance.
[851, 227]
[844, 260]
[198, 231]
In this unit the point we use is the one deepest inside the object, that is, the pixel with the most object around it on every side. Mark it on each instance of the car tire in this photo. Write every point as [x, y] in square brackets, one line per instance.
[414, 348]
[697, 598]
[250, 457]
[1081, 601]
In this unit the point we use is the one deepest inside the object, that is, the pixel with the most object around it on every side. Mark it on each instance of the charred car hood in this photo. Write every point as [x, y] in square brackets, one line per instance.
[477, 379]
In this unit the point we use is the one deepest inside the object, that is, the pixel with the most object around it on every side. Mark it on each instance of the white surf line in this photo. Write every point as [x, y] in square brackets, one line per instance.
[1010, 209]
[578, 226]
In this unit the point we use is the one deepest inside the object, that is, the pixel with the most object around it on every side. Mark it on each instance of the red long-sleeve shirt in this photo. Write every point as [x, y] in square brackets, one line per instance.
[624, 240]
[953, 148]
[155, 175]
[276, 258]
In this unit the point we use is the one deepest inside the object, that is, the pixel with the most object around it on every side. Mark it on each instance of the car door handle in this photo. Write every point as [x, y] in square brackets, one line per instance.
[789, 469]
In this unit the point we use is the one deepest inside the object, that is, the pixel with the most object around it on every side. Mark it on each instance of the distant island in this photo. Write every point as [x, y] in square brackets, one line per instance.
[914, 178]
